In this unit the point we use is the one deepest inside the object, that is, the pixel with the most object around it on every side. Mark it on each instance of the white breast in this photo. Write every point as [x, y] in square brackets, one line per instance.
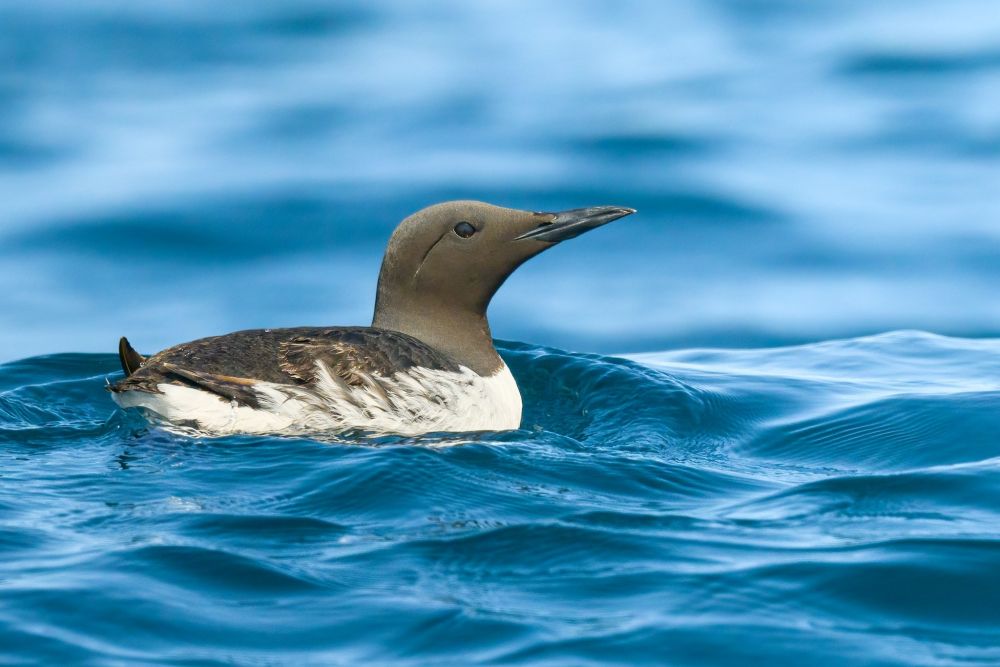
[417, 401]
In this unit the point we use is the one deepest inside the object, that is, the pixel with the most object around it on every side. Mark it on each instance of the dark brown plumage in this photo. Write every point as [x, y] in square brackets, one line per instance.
[130, 359]
[229, 365]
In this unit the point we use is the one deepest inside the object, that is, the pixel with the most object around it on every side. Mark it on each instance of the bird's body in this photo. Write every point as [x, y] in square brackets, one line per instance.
[318, 380]
[426, 364]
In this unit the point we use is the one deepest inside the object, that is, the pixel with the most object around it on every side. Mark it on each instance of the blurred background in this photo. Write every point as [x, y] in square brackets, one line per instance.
[802, 170]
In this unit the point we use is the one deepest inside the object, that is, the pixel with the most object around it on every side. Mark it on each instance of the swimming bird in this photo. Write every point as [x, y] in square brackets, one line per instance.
[427, 362]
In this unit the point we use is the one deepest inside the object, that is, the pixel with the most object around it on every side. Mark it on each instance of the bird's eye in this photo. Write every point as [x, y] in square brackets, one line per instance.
[464, 229]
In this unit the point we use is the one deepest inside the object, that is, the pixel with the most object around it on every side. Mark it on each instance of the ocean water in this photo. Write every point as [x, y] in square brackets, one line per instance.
[761, 415]
[833, 503]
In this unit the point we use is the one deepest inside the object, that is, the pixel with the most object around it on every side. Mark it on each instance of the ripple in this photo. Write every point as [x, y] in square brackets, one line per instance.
[893, 433]
[838, 494]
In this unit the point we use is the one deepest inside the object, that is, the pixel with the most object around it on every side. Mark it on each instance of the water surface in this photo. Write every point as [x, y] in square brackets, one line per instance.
[765, 477]
[833, 503]
[802, 171]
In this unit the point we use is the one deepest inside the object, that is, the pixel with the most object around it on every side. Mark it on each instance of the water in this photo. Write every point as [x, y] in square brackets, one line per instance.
[834, 503]
[737, 464]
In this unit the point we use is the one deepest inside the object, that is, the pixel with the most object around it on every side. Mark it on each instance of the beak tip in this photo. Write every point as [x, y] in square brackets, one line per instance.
[570, 224]
[618, 212]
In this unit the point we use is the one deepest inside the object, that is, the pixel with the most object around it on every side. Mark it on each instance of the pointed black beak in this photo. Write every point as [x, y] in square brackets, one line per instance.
[558, 227]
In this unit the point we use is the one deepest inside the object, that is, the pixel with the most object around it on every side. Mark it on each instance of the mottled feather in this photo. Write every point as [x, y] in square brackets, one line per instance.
[229, 365]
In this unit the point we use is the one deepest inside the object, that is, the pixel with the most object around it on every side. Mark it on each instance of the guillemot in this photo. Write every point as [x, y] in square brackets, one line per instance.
[427, 362]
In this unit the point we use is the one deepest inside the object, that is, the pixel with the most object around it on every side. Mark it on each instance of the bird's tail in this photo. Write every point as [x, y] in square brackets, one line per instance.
[131, 360]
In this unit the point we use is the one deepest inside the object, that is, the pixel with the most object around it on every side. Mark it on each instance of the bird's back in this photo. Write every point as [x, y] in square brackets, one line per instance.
[309, 379]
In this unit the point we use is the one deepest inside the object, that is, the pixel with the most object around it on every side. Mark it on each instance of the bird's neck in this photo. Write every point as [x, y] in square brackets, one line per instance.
[463, 335]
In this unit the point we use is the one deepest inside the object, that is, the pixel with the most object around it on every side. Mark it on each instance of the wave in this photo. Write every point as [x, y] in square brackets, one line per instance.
[839, 497]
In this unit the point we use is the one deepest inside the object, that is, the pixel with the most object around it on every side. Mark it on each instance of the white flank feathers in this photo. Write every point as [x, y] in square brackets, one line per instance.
[417, 401]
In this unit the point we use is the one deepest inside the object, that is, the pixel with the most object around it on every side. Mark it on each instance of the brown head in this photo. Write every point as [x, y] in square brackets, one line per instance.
[444, 264]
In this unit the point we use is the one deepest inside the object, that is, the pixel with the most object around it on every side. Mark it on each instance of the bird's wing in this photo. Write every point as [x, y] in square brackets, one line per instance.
[130, 360]
[354, 354]
[231, 365]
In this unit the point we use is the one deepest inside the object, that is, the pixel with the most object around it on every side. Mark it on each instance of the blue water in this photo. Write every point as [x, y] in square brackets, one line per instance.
[831, 503]
[772, 436]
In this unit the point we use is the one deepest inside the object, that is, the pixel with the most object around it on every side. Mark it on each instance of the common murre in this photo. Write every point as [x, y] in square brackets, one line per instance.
[427, 362]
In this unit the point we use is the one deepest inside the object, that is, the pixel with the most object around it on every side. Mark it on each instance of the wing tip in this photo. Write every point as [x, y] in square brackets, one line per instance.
[130, 359]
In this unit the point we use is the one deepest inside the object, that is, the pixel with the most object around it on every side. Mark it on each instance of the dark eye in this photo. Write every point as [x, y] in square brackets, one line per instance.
[464, 229]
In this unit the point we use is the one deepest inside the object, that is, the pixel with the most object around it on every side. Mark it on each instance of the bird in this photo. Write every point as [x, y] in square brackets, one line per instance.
[426, 364]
